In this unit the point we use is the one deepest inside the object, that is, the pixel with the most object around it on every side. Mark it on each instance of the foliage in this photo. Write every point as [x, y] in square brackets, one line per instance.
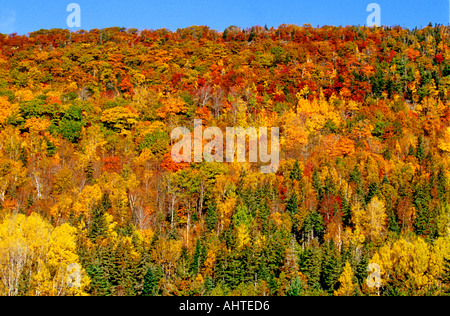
[88, 186]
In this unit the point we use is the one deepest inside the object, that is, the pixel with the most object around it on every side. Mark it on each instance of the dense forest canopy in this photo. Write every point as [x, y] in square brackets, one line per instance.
[89, 192]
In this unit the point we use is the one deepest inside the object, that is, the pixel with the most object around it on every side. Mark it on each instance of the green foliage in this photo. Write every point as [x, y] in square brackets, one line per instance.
[363, 113]
[38, 108]
[71, 124]
[157, 142]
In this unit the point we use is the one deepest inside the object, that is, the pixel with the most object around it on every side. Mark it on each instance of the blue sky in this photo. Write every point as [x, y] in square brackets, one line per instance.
[20, 16]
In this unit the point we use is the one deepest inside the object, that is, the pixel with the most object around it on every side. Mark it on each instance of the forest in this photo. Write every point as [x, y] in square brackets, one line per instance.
[91, 202]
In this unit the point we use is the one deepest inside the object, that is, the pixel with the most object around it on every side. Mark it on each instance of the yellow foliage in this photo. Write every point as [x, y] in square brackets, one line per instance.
[31, 246]
[24, 95]
[418, 264]
[444, 142]
[243, 236]
[347, 287]
[91, 141]
[120, 118]
[172, 106]
[374, 220]
[316, 113]
[6, 109]
[37, 124]
[85, 202]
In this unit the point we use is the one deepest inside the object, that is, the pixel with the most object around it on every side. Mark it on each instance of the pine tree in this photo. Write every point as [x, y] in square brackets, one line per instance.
[296, 173]
[99, 282]
[310, 265]
[373, 191]
[98, 268]
[296, 287]
[106, 202]
[263, 215]
[346, 212]
[356, 177]
[445, 277]
[124, 272]
[197, 258]
[313, 226]
[150, 282]
[411, 151]
[292, 205]
[422, 223]
[317, 183]
[331, 267]
[211, 217]
[441, 185]
[99, 227]
[420, 150]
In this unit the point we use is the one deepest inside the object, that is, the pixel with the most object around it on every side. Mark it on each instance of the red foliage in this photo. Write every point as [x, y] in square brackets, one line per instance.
[112, 164]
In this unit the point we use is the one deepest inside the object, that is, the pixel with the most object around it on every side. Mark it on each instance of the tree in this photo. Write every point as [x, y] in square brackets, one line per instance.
[99, 224]
[120, 119]
[71, 124]
[45, 257]
[420, 150]
[374, 220]
[211, 217]
[444, 142]
[346, 285]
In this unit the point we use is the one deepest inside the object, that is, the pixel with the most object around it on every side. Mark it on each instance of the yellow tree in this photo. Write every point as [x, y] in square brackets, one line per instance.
[6, 110]
[346, 287]
[410, 267]
[61, 273]
[31, 249]
[444, 142]
[373, 220]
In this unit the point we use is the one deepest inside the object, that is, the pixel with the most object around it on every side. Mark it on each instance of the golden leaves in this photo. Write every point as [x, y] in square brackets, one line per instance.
[31, 246]
[171, 106]
[6, 109]
[346, 287]
[444, 142]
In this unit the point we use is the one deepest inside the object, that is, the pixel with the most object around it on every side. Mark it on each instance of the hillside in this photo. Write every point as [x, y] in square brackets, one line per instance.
[92, 202]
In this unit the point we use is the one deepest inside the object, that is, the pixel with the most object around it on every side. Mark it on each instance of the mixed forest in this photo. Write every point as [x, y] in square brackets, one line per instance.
[91, 202]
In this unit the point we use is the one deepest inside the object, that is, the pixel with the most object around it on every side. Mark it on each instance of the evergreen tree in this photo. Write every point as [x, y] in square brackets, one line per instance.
[99, 227]
[310, 265]
[313, 226]
[373, 191]
[263, 215]
[420, 150]
[356, 178]
[422, 223]
[292, 205]
[445, 277]
[331, 267]
[296, 172]
[124, 271]
[197, 261]
[346, 212]
[98, 268]
[151, 279]
[441, 185]
[317, 183]
[106, 202]
[411, 151]
[296, 287]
